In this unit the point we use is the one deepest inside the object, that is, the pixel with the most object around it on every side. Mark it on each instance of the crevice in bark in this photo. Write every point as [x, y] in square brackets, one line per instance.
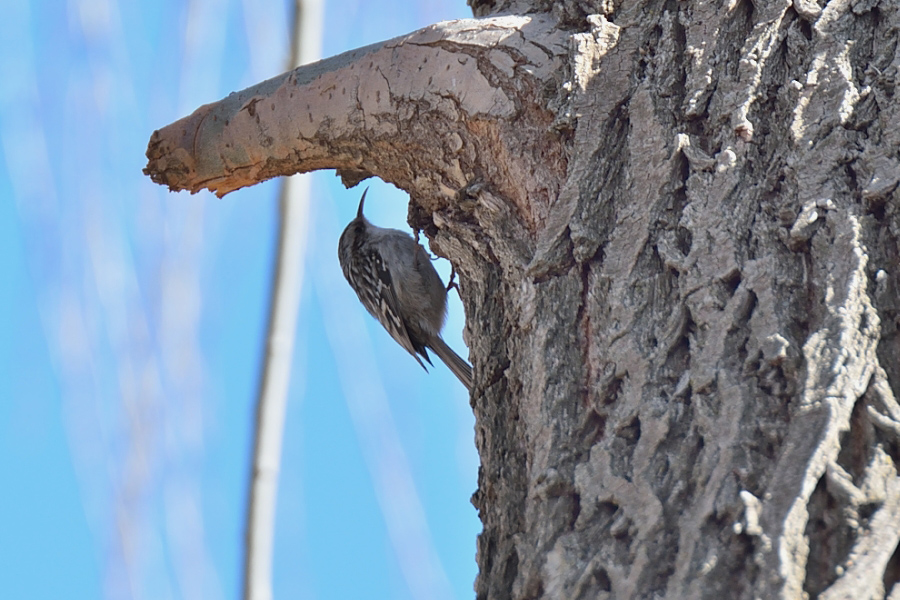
[662, 555]
[677, 365]
[857, 442]
[732, 281]
[662, 74]
[737, 26]
[601, 579]
[510, 572]
[891, 576]
[827, 550]
[592, 429]
[682, 445]
[595, 215]
[609, 393]
[576, 510]
[769, 420]
[622, 448]
[885, 286]
[719, 581]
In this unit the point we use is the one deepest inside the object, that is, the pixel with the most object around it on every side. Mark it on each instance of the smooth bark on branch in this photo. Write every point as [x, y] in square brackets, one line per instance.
[677, 228]
[397, 109]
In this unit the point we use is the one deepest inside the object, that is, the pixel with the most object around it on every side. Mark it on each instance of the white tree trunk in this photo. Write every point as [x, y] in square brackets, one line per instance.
[677, 233]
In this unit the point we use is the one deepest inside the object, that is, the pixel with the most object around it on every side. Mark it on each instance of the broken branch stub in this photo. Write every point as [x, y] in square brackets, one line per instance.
[440, 102]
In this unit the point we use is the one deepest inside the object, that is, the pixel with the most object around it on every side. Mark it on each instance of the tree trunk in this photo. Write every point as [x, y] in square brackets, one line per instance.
[676, 225]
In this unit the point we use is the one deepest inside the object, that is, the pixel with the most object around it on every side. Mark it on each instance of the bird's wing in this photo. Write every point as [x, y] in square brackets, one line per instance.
[380, 299]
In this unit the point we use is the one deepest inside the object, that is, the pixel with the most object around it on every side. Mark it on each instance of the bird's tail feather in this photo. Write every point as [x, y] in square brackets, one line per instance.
[454, 361]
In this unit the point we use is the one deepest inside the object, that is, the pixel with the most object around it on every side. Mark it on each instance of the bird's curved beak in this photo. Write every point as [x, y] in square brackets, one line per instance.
[359, 211]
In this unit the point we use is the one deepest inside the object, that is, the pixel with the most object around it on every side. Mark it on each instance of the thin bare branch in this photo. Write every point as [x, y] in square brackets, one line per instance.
[273, 393]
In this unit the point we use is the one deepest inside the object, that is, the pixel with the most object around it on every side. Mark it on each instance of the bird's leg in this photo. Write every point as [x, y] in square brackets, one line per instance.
[452, 284]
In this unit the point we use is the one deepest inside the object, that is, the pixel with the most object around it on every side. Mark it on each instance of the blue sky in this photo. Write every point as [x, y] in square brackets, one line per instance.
[132, 326]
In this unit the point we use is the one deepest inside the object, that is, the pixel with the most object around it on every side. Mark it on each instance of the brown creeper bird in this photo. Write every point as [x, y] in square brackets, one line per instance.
[394, 279]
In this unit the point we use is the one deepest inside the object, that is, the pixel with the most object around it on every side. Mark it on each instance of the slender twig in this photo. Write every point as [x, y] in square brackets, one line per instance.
[273, 390]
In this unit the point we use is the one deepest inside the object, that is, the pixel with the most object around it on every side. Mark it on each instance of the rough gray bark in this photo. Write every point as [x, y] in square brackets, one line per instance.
[677, 233]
